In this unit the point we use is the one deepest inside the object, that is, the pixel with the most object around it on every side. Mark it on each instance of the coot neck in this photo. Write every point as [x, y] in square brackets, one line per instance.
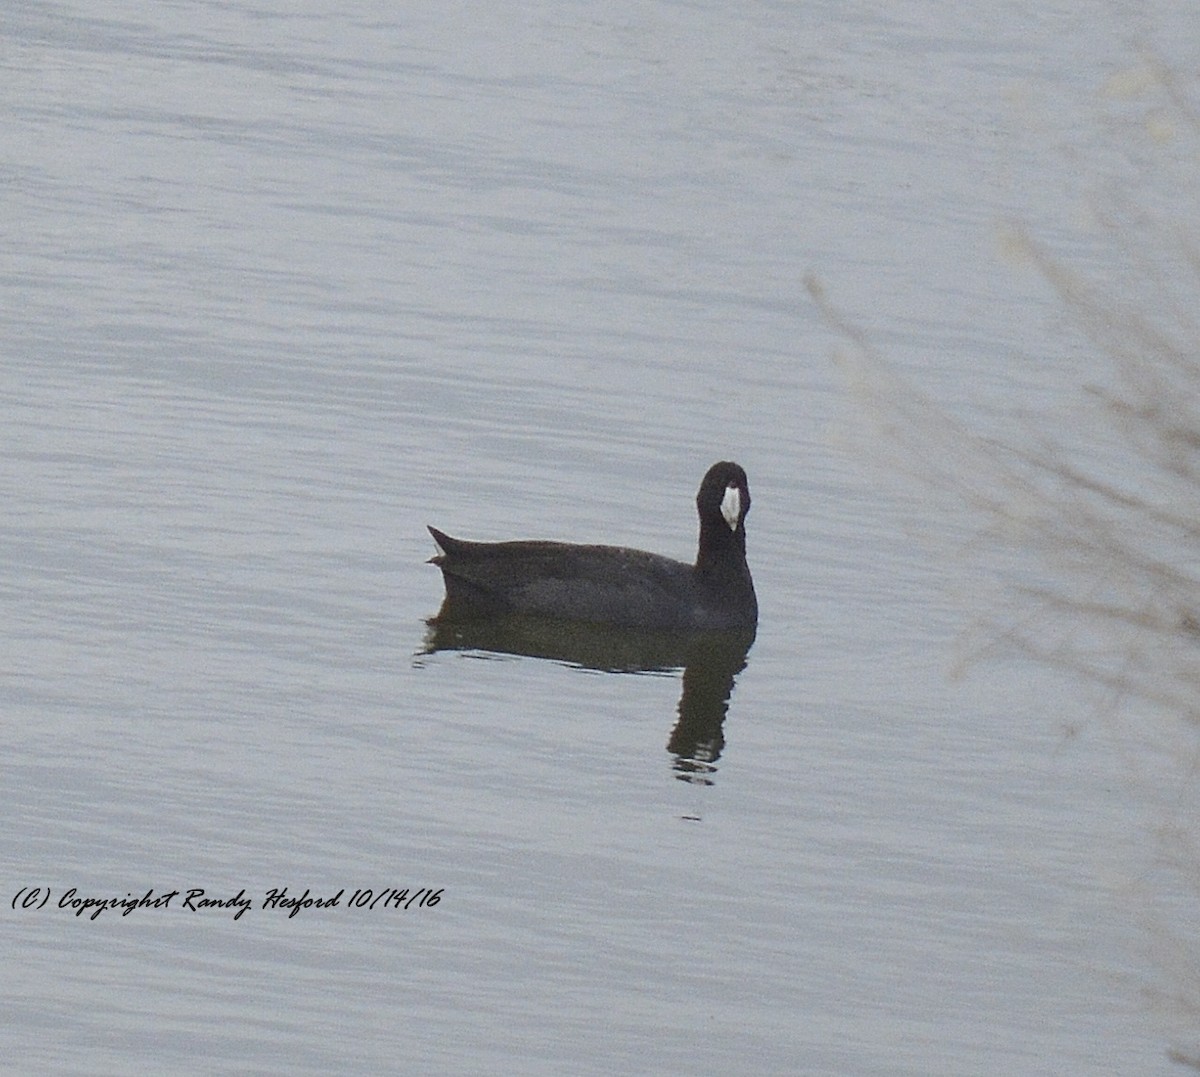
[722, 552]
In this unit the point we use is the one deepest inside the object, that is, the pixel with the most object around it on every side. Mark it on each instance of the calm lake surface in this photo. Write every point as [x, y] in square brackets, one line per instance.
[281, 286]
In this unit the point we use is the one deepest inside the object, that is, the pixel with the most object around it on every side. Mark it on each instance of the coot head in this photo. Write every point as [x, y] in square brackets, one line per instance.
[723, 501]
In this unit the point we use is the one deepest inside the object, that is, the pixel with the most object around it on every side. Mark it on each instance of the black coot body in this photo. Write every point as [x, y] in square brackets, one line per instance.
[611, 584]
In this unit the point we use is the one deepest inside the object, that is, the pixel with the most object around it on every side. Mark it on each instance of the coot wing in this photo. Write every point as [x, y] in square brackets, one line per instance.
[608, 584]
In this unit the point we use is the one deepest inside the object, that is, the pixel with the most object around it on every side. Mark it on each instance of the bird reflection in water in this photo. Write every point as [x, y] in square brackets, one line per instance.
[710, 662]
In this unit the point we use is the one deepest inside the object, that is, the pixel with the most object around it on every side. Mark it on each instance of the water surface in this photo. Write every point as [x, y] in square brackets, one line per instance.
[280, 288]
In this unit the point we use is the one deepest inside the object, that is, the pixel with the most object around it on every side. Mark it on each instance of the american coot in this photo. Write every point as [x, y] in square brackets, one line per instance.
[611, 584]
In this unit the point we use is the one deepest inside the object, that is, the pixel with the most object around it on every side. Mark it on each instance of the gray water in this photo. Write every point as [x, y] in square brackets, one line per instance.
[280, 287]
